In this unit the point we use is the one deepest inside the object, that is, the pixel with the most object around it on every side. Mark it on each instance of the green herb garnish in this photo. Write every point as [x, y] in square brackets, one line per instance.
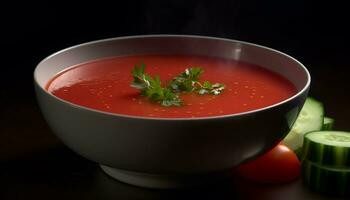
[187, 81]
[151, 88]
[208, 88]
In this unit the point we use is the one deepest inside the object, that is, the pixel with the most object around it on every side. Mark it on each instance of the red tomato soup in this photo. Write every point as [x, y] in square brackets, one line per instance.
[105, 85]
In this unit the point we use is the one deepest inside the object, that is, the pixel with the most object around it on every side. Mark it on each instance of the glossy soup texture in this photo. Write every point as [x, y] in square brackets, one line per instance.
[105, 85]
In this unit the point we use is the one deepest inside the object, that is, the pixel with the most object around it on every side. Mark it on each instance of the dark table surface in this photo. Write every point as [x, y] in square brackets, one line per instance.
[34, 164]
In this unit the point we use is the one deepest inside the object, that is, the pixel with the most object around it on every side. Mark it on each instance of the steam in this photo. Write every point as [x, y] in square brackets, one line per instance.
[195, 17]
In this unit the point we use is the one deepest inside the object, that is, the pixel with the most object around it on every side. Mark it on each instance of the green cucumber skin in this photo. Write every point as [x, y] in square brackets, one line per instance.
[299, 153]
[328, 123]
[326, 180]
[325, 154]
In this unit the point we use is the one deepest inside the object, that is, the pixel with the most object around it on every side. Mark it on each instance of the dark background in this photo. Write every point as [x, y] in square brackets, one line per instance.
[33, 161]
[315, 33]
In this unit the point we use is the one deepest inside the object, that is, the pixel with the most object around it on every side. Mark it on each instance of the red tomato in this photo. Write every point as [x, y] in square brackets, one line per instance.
[279, 165]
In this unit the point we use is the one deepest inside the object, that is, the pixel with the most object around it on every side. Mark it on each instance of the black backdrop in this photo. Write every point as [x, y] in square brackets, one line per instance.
[314, 33]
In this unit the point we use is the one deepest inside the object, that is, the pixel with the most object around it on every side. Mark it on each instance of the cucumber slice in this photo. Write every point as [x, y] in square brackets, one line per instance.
[327, 148]
[325, 179]
[328, 123]
[309, 119]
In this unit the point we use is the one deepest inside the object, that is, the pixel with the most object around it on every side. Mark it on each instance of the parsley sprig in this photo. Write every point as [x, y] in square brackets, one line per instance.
[152, 89]
[187, 81]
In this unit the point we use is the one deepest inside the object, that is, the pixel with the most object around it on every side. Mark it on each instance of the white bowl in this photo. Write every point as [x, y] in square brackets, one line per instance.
[167, 153]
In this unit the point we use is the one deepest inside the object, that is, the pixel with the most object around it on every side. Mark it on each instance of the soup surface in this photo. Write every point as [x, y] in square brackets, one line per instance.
[105, 85]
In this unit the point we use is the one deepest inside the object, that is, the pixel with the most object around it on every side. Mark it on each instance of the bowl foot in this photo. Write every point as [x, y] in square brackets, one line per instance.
[161, 181]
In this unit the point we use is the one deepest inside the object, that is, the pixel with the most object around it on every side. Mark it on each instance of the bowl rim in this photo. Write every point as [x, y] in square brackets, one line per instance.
[303, 90]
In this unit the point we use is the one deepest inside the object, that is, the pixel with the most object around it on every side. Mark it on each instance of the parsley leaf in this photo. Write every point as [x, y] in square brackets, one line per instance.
[208, 88]
[151, 88]
[187, 81]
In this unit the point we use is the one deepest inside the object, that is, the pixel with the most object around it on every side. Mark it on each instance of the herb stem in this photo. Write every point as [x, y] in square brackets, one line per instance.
[187, 81]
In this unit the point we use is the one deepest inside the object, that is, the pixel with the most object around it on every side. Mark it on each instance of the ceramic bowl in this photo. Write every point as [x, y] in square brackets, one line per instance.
[168, 153]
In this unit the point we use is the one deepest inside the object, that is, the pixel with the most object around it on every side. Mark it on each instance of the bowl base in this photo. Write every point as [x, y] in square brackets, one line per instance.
[162, 181]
